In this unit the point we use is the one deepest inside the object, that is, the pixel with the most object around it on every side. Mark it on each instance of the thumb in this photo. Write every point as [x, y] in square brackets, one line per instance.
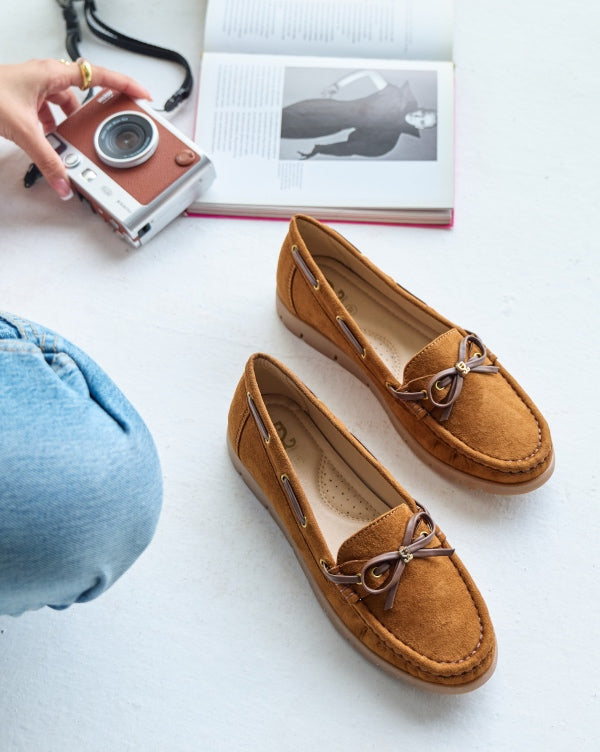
[48, 163]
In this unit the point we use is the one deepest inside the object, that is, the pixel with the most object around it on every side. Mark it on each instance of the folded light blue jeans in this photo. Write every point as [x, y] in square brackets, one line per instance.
[80, 480]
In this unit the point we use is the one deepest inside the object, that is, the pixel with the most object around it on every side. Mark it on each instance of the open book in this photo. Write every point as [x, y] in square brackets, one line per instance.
[342, 109]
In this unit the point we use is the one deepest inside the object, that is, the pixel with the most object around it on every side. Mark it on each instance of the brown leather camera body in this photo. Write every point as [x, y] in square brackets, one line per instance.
[172, 159]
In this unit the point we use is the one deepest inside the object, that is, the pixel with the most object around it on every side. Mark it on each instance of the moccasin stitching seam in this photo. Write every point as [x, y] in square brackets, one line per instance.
[378, 523]
[410, 662]
[521, 471]
[501, 459]
[417, 357]
[429, 658]
[342, 592]
[424, 670]
[521, 400]
[398, 653]
[289, 282]
[481, 462]
[240, 428]
[454, 448]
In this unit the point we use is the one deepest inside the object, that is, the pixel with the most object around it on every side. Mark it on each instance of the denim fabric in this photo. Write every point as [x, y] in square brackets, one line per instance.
[80, 481]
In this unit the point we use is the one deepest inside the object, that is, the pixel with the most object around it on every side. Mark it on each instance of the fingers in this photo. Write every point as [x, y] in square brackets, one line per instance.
[35, 84]
[47, 160]
[118, 81]
[67, 101]
[61, 76]
[46, 118]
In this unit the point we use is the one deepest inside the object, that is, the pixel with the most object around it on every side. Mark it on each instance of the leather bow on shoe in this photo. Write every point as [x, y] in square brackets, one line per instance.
[451, 377]
[454, 377]
[408, 550]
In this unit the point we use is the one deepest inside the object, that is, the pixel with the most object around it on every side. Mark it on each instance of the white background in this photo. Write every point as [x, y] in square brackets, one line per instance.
[214, 641]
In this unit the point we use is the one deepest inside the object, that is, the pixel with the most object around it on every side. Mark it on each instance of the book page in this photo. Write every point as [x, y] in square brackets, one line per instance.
[406, 29]
[304, 131]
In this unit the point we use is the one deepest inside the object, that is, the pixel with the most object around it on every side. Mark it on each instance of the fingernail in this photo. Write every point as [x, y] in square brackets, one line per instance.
[63, 189]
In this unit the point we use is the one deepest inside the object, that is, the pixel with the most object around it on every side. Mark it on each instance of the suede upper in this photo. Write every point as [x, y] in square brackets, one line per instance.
[494, 437]
[494, 434]
[429, 594]
[438, 630]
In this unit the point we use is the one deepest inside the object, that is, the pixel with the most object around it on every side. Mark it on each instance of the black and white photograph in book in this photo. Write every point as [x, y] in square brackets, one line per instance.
[333, 113]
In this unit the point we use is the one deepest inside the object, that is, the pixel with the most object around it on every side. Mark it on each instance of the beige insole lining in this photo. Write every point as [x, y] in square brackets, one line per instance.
[340, 501]
[395, 335]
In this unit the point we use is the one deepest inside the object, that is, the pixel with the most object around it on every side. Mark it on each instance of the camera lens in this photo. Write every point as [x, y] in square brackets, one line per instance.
[126, 139]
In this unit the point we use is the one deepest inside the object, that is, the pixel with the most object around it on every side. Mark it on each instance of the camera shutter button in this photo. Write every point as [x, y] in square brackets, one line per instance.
[71, 159]
[185, 158]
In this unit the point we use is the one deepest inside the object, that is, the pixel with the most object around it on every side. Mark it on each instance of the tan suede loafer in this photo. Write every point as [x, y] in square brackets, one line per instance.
[381, 569]
[445, 393]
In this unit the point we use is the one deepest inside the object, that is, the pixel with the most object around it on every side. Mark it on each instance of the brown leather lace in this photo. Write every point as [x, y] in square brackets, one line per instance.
[409, 549]
[452, 377]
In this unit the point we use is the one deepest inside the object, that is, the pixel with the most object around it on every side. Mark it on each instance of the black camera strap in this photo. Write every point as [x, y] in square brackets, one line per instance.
[114, 37]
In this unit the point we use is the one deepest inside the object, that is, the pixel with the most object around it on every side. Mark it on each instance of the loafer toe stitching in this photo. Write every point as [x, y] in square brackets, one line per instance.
[459, 445]
[362, 592]
[389, 640]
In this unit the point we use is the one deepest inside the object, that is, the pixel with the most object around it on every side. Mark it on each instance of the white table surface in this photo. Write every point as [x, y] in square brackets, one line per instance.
[213, 640]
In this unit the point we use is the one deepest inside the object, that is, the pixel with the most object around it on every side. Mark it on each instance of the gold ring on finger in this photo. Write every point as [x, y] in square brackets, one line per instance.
[86, 73]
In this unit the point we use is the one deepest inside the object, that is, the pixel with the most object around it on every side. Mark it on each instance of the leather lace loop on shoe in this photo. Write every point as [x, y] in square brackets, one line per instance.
[452, 378]
[257, 419]
[293, 499]
[304, 267]
[409, 549]
[350, 336]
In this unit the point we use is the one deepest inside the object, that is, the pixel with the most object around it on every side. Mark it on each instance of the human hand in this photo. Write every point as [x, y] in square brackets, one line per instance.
[27, 89]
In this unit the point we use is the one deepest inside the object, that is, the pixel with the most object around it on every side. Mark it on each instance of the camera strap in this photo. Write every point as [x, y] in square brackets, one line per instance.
[114, 37]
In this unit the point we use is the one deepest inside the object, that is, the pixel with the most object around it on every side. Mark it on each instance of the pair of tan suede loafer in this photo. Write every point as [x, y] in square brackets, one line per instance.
[379, 565]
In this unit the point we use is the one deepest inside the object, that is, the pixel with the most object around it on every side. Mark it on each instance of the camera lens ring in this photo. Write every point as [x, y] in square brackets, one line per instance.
[126, 139]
